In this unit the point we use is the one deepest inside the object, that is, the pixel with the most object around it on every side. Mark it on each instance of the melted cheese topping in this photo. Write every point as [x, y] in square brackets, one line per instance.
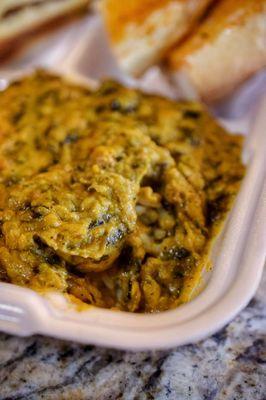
[112, 197]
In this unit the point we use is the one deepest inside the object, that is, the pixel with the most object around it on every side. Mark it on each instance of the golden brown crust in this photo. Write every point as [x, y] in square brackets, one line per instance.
[119, 14]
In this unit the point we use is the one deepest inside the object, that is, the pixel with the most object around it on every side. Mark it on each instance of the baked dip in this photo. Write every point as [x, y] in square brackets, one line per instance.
[113, 196]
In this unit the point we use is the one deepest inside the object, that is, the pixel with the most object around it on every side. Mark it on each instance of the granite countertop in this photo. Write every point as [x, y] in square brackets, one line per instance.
[230, 365]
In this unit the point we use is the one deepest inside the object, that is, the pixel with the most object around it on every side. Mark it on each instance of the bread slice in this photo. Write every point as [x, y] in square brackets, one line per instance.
[225, 49]
[141, 31]
[21, 17]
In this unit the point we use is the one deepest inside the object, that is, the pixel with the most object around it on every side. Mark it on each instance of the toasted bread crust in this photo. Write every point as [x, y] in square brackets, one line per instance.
[141, 31]
[11, 42]
[226, 49]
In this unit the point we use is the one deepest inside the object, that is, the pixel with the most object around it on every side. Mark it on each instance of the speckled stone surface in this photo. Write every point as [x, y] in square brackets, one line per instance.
[230, 365]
